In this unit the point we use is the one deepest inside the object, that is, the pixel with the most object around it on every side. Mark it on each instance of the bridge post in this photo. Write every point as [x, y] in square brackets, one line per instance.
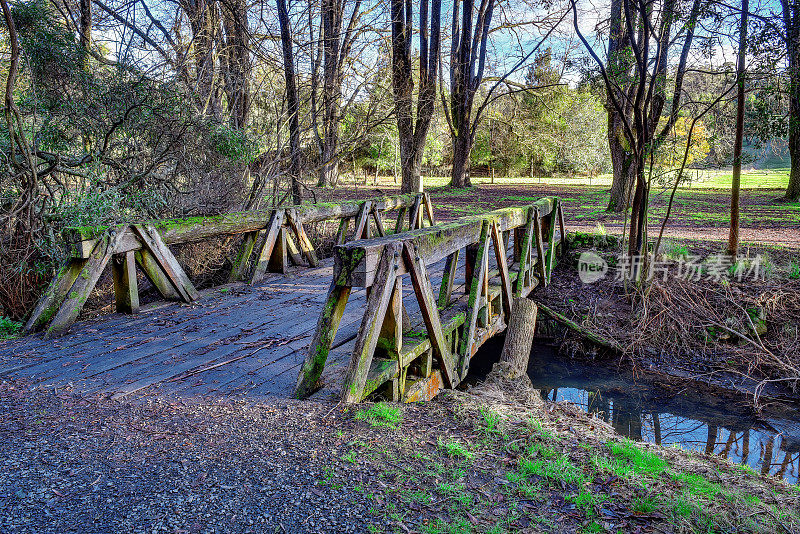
[537, 228]
[477, 299]
[446, 289]
[390, 340]
[430, 314]
[126, 289]
[52, 299]
[502, 265]
[277, 262]
[149, 266]
[266, 246]
[242, 261]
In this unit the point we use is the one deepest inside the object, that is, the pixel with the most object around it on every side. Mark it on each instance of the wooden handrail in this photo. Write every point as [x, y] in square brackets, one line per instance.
[414, 366]
[433, 243]
[81, 240]
[271, 239]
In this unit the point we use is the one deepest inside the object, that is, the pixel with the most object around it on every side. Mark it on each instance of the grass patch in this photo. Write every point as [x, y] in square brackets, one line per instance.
[454, 448]
[381, 414]
[794, 270]
[640, 461]
[698, 485]
[555, 468]
[491, 421]
[645, 505]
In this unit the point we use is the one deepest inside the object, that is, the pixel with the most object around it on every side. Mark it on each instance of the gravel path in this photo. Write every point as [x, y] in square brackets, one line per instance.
[68, 465]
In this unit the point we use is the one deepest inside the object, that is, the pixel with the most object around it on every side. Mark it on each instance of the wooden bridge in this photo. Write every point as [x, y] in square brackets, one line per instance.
[287, 323]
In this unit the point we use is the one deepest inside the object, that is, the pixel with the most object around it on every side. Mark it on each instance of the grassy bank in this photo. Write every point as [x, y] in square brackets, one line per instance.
[504, 462]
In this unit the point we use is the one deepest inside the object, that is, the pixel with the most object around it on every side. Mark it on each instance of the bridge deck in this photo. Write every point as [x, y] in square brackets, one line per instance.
[236, 340]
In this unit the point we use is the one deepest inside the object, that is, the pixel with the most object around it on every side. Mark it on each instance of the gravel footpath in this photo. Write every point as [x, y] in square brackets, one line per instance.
[74, 465]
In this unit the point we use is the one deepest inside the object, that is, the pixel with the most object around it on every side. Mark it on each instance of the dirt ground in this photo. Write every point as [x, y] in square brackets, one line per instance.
[482, 461]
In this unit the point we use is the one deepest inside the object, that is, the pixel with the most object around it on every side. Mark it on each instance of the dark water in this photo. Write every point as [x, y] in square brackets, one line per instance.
[647, 408]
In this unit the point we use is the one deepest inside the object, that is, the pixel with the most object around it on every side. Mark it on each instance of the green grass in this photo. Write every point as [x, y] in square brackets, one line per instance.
[645, 505]
[698, 485]
[794, 270]
[673, 250]
[774, 178]
[640, 461]
[381, 414]
[455, 448]
[491, 421]
[556, 468]
[9, 329]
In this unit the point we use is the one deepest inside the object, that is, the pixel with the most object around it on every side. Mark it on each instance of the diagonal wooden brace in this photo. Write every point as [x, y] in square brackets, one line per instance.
[367, 339]
[430, 314]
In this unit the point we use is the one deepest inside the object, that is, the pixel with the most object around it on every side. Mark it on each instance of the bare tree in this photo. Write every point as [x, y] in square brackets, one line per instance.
[413, 133]
[336, 46]
[291, 101]
[467, 62]
[237, 62]
[652, 32]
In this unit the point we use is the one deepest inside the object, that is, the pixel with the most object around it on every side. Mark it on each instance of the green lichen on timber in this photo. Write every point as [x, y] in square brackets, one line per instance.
[313, 367]
[388, 345]
[350, 259]
[417, 335]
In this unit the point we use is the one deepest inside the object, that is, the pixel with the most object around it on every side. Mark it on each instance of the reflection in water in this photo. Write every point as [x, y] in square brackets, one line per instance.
[648, 411]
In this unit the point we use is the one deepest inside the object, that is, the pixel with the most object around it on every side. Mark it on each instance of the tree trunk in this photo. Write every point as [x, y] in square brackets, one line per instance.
[733, 235]
[462, 148]
[638, 222]
[410, 168]
[203, 20]
[469, 60]
[413, 133]
[519, 337]
[619, 65]
[291, 102]
[329, 171]
[86, 30]
[238, 63]
[621, 163]
[791, 19]
[331, 15]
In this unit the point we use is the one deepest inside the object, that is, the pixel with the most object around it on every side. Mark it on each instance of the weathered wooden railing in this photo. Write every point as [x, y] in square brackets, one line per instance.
[414, 364]
[271, 238]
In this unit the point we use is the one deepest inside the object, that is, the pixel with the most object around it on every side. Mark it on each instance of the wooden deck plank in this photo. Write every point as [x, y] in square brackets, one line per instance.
[175, 318]
[209, 347]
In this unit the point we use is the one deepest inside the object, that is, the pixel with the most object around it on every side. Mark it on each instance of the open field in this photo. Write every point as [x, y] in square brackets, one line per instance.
[699, 212]
[752, 178]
